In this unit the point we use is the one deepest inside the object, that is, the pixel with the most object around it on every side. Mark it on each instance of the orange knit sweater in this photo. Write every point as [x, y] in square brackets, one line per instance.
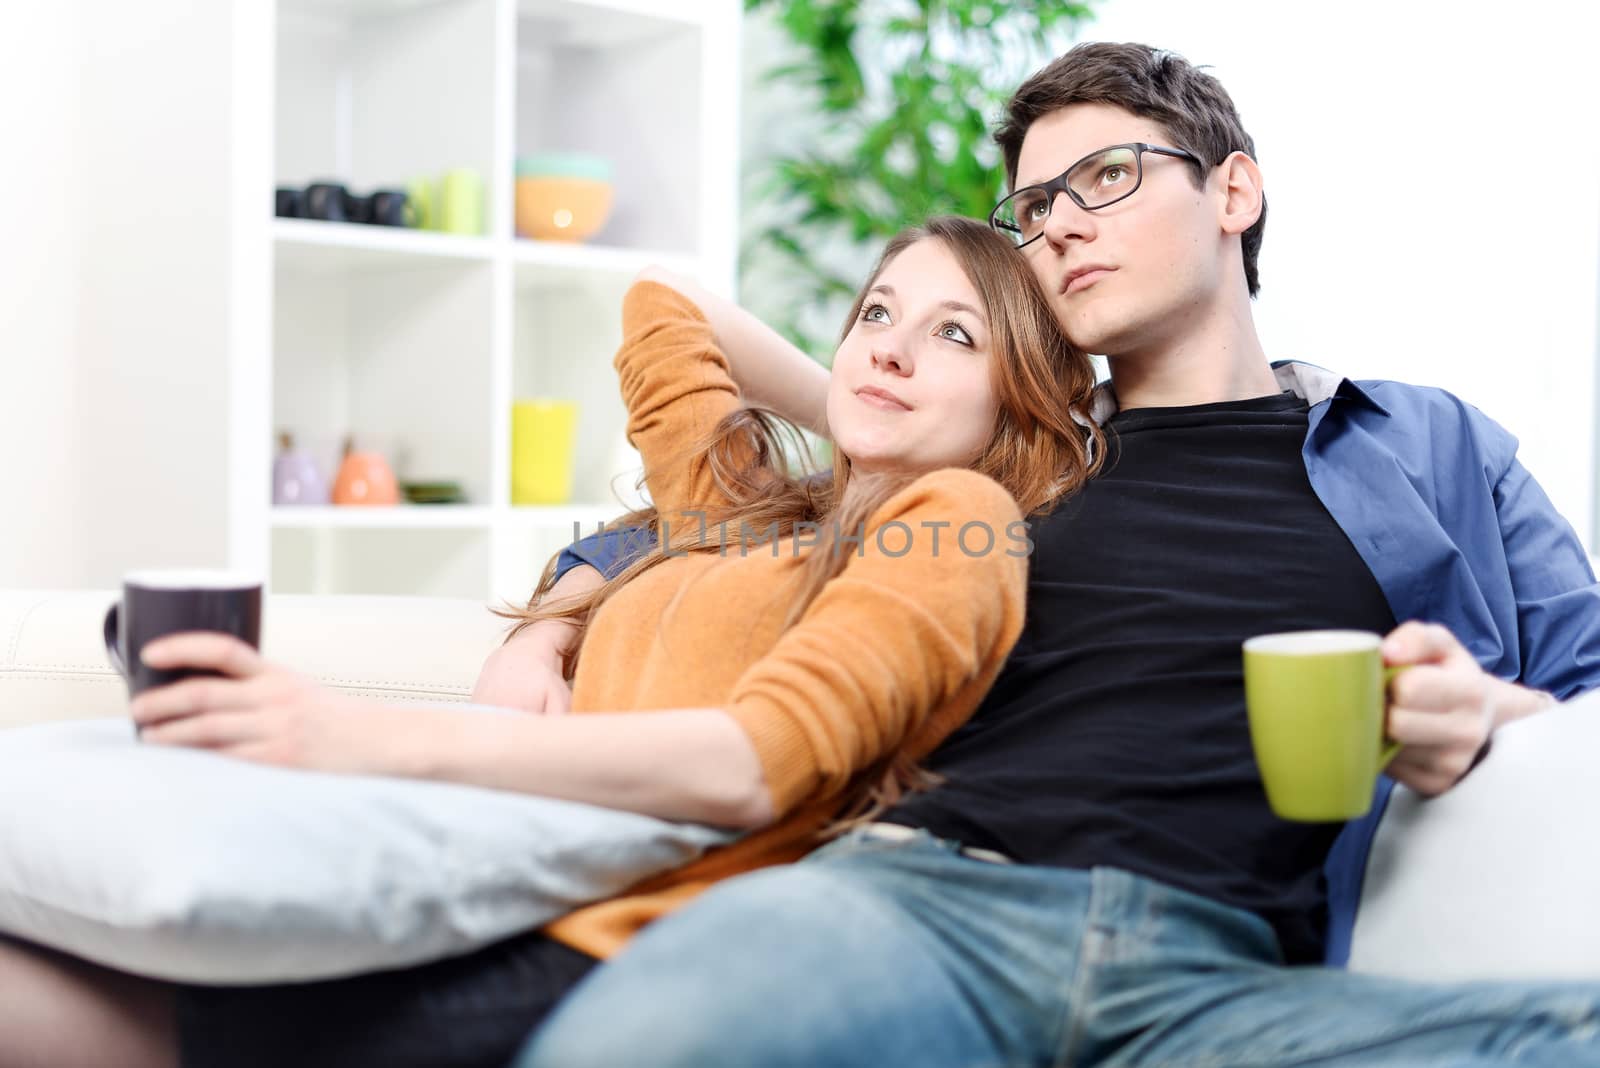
[895, 652]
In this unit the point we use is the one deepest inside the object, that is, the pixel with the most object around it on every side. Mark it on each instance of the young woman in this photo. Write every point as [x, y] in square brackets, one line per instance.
[799, 643]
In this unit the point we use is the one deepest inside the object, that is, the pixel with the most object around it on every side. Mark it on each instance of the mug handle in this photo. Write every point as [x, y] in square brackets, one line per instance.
[110, 629]
[1387, 748]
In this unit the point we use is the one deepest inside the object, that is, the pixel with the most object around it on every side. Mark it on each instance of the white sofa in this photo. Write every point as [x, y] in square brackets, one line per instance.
[1498, 878]
[53, 662]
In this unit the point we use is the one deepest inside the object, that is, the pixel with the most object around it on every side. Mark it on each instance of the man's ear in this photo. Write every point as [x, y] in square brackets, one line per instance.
[1242, 193]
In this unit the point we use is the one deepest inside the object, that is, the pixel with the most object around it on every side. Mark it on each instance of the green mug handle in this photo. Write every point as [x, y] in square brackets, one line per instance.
[1387, 749]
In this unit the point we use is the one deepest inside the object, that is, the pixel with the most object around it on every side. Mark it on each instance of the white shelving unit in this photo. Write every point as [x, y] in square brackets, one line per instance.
[417, 342]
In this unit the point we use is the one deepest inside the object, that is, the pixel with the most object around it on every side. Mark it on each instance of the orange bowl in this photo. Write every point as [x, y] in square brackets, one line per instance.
[553, 208]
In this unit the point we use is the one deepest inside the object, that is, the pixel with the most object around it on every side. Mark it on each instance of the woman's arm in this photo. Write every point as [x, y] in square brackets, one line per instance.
[693, 764]
[688, 764]
[527, 671]
[770, 371]
[677, 387]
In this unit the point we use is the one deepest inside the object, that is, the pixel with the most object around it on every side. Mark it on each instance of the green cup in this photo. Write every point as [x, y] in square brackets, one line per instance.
[460, 205]
[421, 212]
[1317, 702]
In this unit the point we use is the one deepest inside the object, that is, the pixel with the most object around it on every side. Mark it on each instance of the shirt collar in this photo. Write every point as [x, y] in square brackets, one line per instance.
[1307, 381]
[1315, 384]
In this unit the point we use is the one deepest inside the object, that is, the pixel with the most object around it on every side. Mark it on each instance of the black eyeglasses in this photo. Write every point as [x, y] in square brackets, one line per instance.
[1096, 181]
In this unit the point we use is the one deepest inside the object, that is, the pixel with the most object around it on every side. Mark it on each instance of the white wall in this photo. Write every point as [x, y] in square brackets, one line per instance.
[114, 308]
[39, 191]
[1484, 277]
[114, 177]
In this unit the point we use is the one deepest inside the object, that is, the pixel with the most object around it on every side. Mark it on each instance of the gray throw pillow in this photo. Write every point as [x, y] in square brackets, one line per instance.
[185, 865]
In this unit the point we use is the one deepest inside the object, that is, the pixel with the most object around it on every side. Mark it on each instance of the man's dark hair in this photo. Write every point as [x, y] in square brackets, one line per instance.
[1192, 106]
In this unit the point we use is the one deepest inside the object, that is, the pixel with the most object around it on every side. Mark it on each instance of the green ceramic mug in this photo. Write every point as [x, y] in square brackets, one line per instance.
[1317, 702]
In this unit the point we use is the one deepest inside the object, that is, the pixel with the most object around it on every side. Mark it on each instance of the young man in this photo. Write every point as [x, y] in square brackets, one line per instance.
[1099, 879]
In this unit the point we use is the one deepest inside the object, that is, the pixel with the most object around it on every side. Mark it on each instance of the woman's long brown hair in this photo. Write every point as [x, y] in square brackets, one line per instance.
[1037, 451]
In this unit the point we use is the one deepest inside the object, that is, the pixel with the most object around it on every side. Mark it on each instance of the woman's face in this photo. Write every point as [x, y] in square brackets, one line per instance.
[911, 387]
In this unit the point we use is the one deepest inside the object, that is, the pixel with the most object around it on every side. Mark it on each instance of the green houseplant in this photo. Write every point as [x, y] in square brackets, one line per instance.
[906, 94]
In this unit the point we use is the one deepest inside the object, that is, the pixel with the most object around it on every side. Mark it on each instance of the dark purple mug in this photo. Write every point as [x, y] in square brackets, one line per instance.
[357, 208]
[324, 200]
[286, 202]
[388, 207]
[156, 603]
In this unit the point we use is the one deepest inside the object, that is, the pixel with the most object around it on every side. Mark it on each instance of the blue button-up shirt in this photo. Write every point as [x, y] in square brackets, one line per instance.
[1429, 491]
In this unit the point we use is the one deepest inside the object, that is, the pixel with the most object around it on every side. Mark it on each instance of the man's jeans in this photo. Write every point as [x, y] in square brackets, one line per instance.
[883, 954]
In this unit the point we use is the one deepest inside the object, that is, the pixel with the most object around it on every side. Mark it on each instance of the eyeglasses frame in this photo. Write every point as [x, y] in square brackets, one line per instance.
[1058, 185]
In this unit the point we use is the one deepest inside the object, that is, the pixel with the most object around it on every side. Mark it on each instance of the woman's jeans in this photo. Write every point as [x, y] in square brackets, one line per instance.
[884, 953]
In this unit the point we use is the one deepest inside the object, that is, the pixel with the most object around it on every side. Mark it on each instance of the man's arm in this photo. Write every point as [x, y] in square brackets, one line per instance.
[608, 552]
[1444, 707]
[1557, 599]
[769, 370]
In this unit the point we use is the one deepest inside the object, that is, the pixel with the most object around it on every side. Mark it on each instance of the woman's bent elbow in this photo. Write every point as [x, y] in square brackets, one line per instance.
[750, 810]
[654, 272]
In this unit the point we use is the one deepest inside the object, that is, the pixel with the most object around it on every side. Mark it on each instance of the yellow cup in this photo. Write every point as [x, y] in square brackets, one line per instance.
[542, 435]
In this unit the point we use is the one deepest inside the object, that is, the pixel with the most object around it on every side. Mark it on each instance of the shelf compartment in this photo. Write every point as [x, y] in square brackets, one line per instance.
[439, 563]
[402, 361]
[611, 80]
[612, 23]
[522, 550]
[584, 519]
[566, 330]
[534, 257]
[309, 246]
[372, 94]
[400, 517]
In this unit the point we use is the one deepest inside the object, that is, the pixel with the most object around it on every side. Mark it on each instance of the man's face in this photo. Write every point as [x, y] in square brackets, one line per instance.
[1161, 251]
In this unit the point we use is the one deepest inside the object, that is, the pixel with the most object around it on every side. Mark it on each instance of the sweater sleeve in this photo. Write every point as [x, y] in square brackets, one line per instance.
[677, 387]
[899, 647]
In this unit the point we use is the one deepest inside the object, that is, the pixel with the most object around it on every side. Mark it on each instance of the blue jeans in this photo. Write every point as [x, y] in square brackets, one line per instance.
[888, 953]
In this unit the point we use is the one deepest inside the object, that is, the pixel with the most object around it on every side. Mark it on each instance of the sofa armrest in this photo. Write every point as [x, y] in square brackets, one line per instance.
[1499, 877]
[53, 664]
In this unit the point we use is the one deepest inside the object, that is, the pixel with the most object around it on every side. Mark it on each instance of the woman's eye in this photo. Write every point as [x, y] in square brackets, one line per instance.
[874, 313]
[955, 332]
[1113, 174]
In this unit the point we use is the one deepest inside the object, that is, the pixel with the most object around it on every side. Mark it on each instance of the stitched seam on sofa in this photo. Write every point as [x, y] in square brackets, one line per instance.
[427, 692]
[23, 674]
[430, 697]
[387, 682]
[95, 671]
[22, 623]
[96, 668]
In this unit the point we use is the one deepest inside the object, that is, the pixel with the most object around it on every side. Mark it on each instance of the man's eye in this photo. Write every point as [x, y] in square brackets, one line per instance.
[1113, 174]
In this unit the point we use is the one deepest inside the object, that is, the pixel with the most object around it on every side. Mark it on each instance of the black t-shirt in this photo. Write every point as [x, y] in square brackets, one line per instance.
[1116, 735]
